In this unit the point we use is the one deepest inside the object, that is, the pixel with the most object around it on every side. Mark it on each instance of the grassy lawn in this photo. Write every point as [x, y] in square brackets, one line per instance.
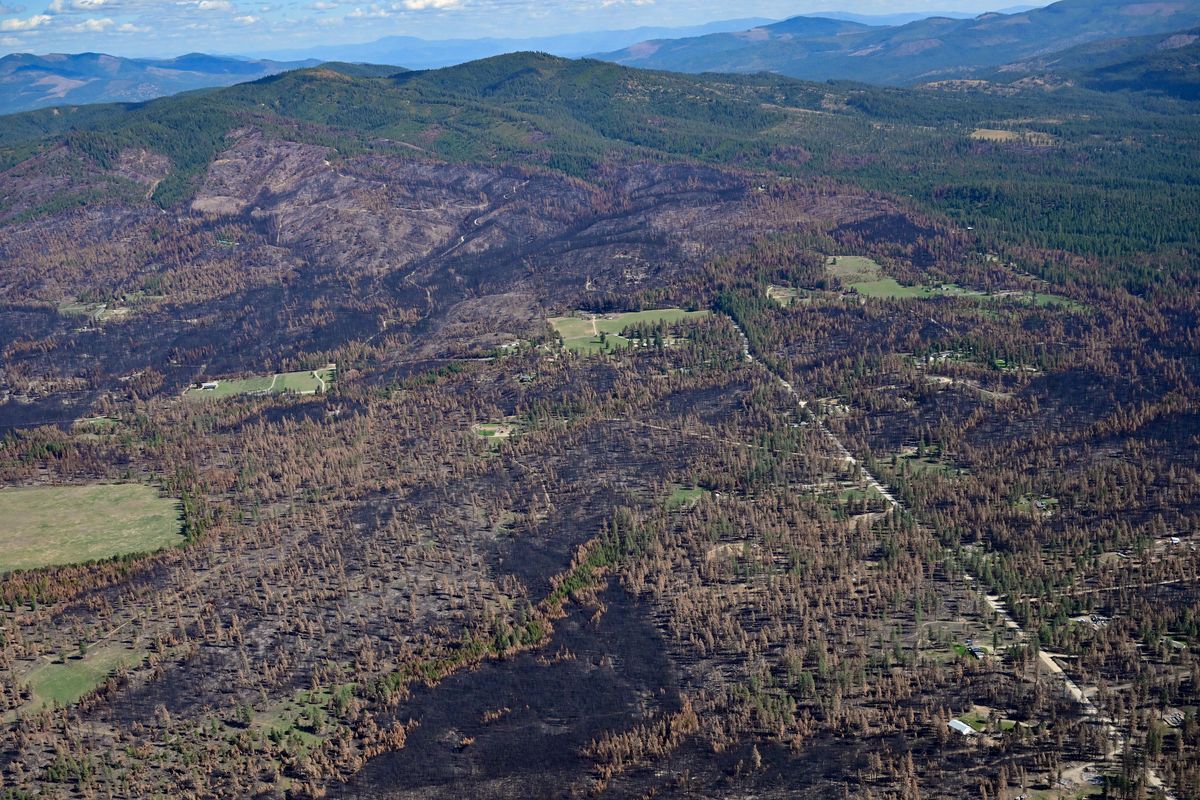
[495, 431]
[303, 382]
[684, 496]
[51, 525]
[581, 331]
[65, 683]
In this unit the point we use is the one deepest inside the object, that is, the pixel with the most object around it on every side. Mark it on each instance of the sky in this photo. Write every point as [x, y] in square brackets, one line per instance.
[174, 27]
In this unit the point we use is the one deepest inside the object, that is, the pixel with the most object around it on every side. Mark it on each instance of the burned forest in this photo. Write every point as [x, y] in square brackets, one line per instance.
[547, 428]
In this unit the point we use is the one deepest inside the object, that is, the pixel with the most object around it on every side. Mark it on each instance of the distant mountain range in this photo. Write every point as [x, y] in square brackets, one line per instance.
[28, 81]
[817, 48]
[905, 17]
[1100, 44]
[415, 53]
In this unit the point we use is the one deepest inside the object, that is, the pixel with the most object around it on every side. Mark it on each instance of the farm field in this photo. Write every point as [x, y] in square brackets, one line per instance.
[56, 525]
[581, 331]
[868, 279]
[303, 382]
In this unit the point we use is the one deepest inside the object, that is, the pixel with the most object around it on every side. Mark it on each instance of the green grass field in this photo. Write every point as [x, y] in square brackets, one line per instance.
[495, 431]
[54, 525]
[685, 496]
[304, 382]
[867, 278]
[581, 331]
[65, 683]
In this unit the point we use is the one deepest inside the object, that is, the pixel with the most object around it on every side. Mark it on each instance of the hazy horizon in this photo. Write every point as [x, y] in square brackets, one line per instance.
[152, 28]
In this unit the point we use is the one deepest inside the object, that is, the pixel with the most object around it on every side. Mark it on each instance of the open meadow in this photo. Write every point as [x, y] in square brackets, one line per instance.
[302, 382]
[55, 525]
[591, 333]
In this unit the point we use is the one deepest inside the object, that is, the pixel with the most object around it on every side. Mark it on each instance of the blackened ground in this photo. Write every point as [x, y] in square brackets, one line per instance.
[618, 676]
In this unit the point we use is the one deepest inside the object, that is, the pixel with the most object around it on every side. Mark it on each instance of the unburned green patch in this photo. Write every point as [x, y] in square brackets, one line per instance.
[302, 382]
[66, 681]
[590, 333]
[686, 496]
[868, 279]
[56, 525]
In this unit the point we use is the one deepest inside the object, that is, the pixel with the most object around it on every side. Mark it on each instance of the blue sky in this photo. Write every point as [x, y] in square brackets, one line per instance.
[173, 27]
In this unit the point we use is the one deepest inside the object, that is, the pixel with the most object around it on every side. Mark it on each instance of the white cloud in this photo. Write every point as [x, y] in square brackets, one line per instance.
[422, 5]
[36, 21]
[92, 26]
[67, 6]
[214, 5]
[374, 12]
[247, 19]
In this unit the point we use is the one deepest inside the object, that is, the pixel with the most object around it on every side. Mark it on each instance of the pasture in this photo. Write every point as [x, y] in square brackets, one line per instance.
[868, 279]
[590, 333]
[56, 525]
[865, 277]
[303, 382]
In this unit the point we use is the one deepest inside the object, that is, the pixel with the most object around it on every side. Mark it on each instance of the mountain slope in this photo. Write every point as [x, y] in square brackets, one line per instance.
[929, 49]
[1167, 64]
[417, 53]
[586, 117]
[30, 81]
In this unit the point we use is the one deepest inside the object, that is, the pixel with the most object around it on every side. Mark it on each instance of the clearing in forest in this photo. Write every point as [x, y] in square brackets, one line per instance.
[1036, 138]
[783, 295]
[494, 431]
[686, 496]
[591, 333]
[55, 525]
[71, 677]
[867, 278]
[303, 382]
